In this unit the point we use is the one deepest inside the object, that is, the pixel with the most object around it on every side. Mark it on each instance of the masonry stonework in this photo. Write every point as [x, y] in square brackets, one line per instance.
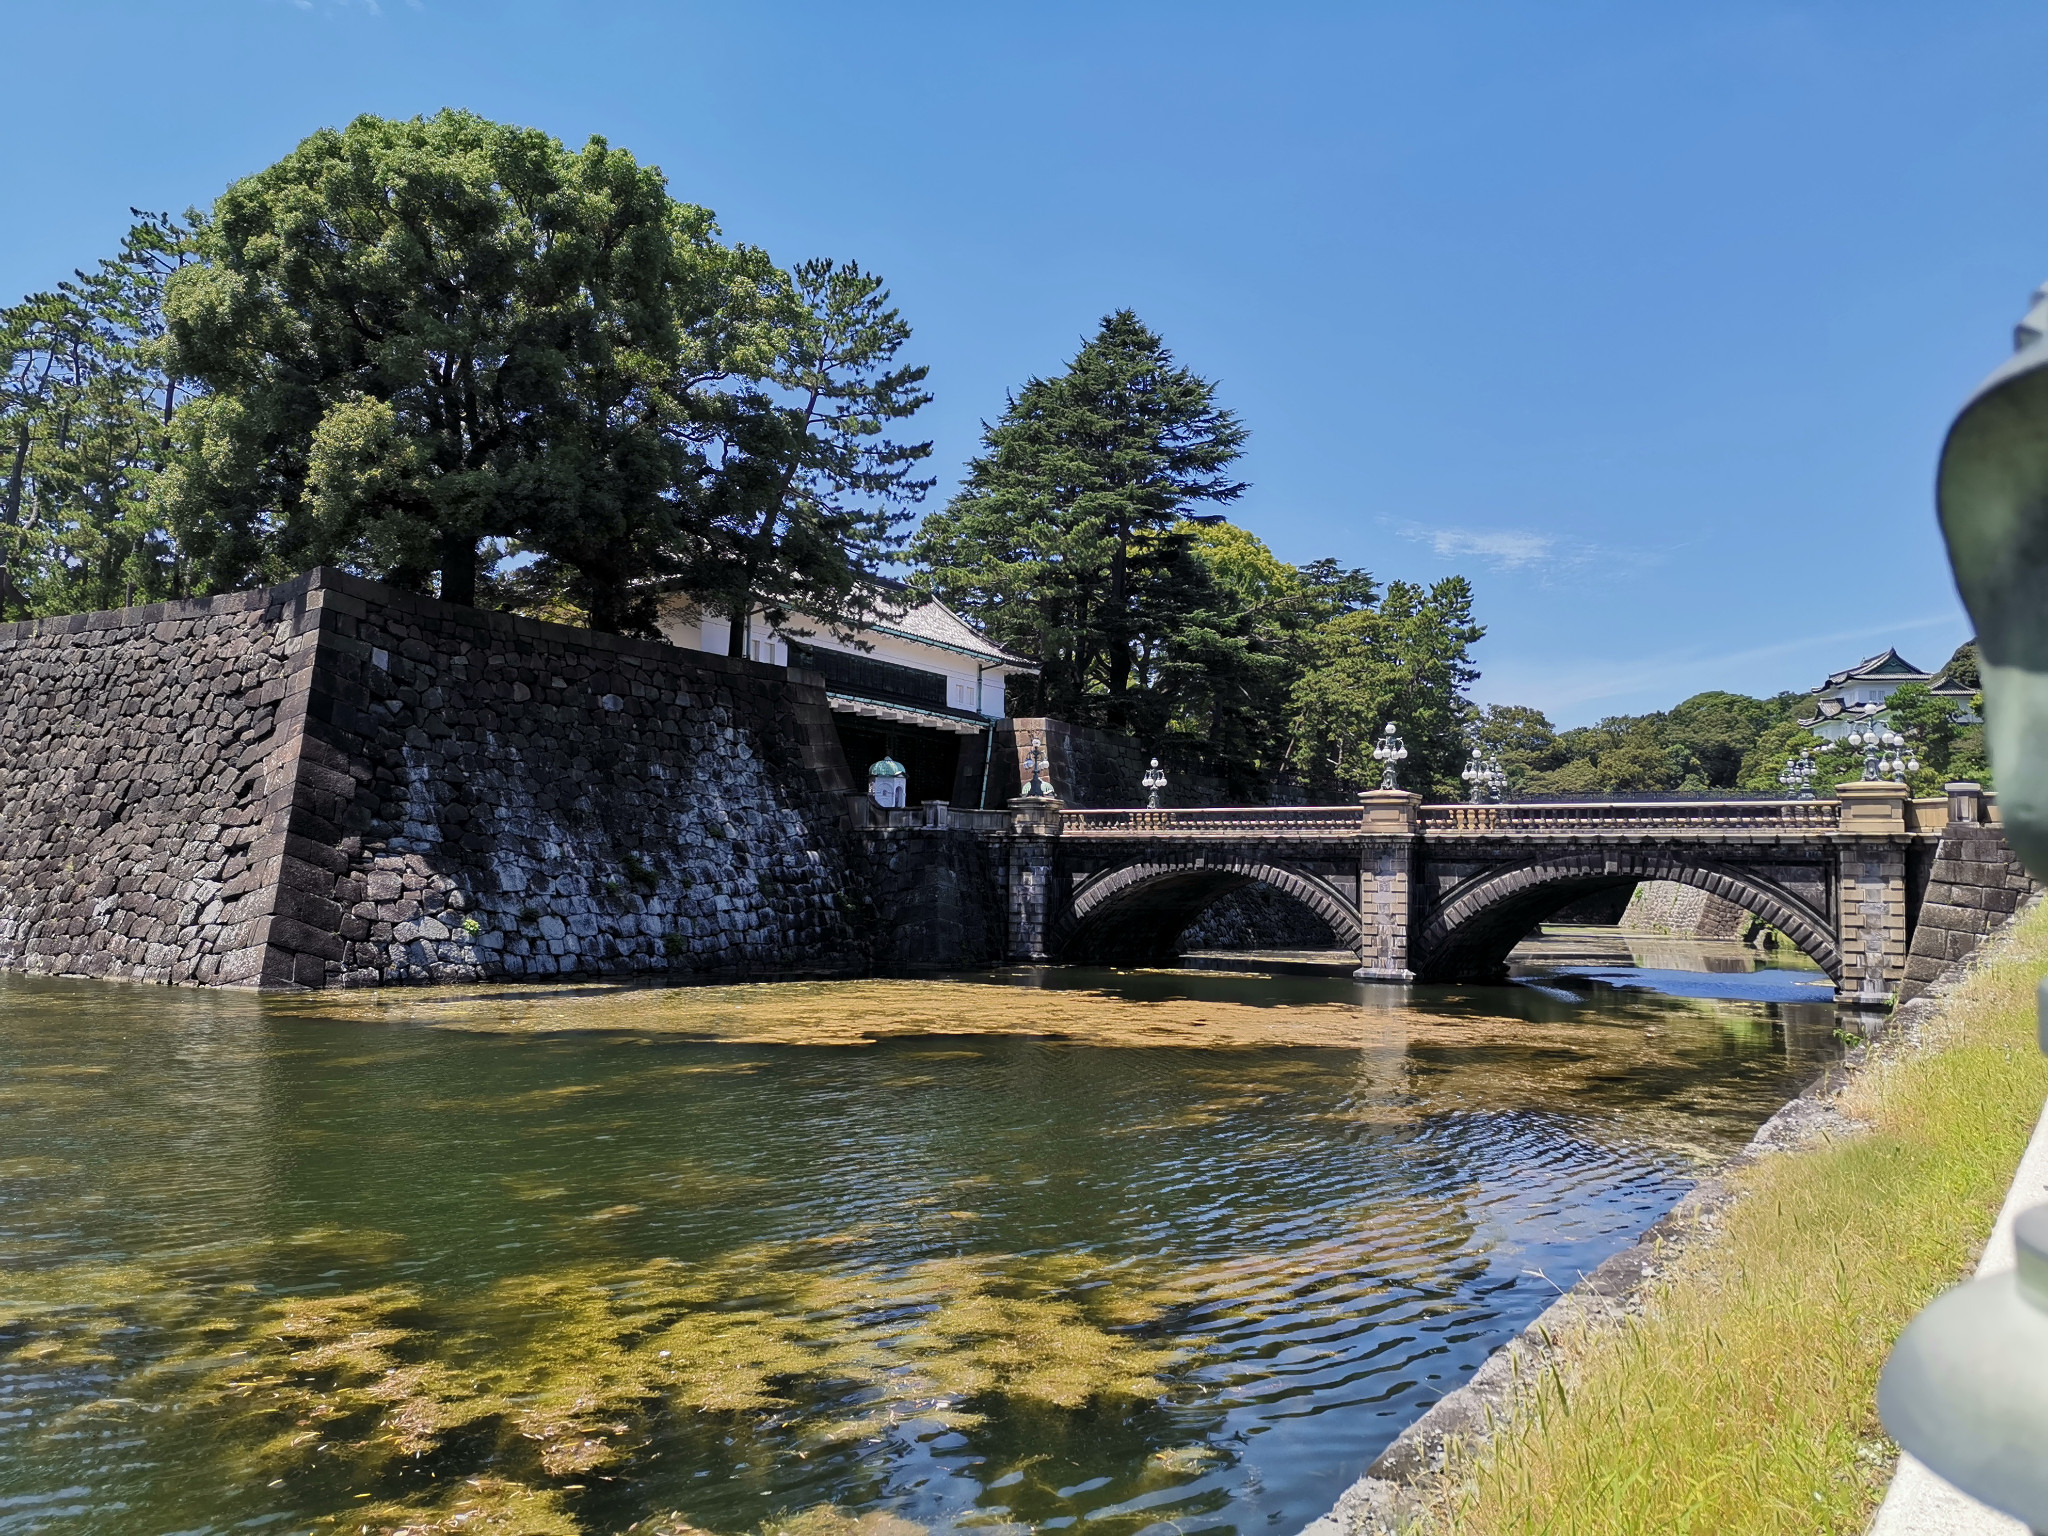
[334, 782]
[1669, 907]
[144, 766]
[1975, 883]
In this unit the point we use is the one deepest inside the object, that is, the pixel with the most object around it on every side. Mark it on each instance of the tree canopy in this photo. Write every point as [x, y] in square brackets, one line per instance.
[414, 348]
[87, 405]
[1081, 538]
[458, 356]
[1070, 538]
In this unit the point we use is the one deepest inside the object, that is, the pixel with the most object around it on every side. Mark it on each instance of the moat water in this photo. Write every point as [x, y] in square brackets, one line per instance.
[1120, 1251]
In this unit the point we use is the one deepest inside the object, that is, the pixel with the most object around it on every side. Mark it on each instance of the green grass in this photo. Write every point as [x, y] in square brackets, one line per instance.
[1743, 1400]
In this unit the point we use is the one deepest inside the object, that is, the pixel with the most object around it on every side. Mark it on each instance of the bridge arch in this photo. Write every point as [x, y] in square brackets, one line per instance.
[1134, 913]
[1469, 934]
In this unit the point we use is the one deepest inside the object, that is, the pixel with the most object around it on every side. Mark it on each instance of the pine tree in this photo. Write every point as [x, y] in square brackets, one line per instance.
[1069, 541]
[807, 492]
[87, 405]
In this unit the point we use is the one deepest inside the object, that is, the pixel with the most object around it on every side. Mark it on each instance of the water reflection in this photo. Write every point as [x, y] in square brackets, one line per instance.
[1014, 1250]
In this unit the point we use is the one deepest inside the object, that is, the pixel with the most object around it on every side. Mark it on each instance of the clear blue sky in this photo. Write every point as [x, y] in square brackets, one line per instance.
[1648, 318]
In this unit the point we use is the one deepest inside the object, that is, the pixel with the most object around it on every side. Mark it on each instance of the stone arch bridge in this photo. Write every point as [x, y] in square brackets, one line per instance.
[1443, 892]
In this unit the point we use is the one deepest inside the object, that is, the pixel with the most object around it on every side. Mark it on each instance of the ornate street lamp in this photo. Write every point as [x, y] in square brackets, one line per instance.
[1486, 776]
[1798, 774]
[1154, 781]
[1038, 785]
[1389, 752]
[1880, 744]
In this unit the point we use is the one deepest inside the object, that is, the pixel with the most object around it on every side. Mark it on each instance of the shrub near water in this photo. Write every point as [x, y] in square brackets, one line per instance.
[1744, 1399]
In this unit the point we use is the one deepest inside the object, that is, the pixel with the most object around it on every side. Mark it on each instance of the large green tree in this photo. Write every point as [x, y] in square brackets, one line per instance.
[1244, 634]
[1406, 661]
[1069, 540]
[423, 335]
[1522, 739]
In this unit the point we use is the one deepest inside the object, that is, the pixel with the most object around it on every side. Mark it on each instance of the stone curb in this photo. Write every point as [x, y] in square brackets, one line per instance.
[1387, 1500]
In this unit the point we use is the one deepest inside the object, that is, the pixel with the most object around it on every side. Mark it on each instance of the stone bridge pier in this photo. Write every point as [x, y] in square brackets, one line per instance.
[1444, 892]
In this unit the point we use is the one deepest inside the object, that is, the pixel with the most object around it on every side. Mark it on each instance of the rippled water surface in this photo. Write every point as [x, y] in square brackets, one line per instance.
[1127, 1251]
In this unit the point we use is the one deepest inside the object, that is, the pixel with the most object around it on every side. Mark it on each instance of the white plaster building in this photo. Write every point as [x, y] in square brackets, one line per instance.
[1840, 703]
[927, 689]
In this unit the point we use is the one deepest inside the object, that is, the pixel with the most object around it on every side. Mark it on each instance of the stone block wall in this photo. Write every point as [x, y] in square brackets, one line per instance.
[144, 766]
[1670, 906]
[1975, 884]
[493, 796]
[1258, 917]
[332, 781]
[937, 895]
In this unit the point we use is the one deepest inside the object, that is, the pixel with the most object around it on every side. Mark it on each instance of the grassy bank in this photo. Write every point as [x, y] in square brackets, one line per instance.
[1743, 1400]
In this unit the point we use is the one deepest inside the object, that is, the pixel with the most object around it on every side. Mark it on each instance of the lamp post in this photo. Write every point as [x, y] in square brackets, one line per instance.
[1486, 776]
[1797, 776]
[1389, 752]
[1037, 785]
[1154, 781]
[1880, 743]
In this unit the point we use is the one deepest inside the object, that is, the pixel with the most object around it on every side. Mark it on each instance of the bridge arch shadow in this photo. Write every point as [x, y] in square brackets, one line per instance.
[1135, 915]
[1468, 936]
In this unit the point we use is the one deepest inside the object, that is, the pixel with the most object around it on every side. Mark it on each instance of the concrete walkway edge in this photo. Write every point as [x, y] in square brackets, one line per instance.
[1919, 1503]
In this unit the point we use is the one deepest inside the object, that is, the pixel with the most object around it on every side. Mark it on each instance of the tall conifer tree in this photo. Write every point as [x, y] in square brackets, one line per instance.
[1068, 541]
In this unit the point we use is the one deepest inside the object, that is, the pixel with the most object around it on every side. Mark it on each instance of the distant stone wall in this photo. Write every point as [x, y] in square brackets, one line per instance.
[1975, 884]
[1602, 909]
[1258, 917]
[1092, 768]
[1668, 906]
[332, 781]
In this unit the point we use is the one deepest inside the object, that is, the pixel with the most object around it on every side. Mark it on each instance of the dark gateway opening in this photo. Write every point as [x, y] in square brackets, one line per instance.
[933, 757]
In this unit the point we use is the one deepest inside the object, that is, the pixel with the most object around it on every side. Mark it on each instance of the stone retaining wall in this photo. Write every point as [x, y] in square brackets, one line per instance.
[1257, 917]
[939, 899]
[1665, 906]
[333, 781]
[1976, 883]
[142, 776]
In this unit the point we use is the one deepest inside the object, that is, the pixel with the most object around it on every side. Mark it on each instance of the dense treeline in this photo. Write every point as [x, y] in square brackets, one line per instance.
[458, 357]
[1077, 540]
[1726, 741]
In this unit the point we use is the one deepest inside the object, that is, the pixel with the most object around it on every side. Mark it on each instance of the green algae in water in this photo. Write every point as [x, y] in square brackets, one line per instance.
[267, 1264]
[509, 1401]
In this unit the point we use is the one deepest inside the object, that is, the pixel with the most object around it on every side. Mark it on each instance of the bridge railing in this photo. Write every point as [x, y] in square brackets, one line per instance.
[1637, 816]
[1234, 821]
[1570, 817]
[933, 815]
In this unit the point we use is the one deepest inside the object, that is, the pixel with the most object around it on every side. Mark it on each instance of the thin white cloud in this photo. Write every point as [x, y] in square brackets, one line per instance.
[1543, 555]
[1504, 548]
